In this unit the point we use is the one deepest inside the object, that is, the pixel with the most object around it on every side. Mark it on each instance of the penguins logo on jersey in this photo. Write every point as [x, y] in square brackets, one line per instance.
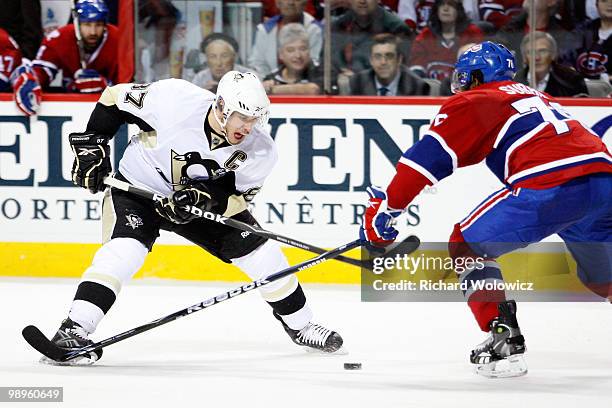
[191, 166]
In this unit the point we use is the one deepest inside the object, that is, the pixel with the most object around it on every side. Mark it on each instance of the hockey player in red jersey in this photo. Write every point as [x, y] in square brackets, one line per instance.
[557, 176]
[10, 58]
[15, 75]
[87, 65]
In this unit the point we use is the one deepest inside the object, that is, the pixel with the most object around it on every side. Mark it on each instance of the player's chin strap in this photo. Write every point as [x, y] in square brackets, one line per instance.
[222, 125]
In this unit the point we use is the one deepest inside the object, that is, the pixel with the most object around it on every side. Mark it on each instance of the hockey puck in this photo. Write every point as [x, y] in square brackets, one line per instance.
[352, 366]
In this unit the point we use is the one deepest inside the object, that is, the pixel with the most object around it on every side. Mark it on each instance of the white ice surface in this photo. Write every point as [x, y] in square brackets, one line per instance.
[235, 354]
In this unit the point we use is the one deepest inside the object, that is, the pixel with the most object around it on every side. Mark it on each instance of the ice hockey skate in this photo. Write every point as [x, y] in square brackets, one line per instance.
[315, 338]
[501, 355]
[71, 336]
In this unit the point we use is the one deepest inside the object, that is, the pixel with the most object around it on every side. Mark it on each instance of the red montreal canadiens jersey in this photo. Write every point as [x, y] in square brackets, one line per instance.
[499, 12]
[59, 51]
[525, 137]
[10, 57]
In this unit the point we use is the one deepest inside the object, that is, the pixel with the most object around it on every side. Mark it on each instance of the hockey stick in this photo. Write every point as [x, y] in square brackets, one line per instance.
[43, 345]
[243, 226]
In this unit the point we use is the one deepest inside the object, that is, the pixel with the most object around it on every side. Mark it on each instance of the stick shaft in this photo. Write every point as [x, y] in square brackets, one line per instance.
[243, 226]
[214, 300]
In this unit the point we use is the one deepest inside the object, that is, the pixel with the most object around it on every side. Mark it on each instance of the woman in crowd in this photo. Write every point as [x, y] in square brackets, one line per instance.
[434, 51]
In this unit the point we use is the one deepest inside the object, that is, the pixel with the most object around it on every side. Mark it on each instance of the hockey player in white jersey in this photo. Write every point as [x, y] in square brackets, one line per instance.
[195, 148]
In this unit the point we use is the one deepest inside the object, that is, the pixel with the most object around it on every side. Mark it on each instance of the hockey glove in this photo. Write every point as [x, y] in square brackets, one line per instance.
[179, 207]
[26, 89]
[91, 160]
[88, 81]
[377, 227]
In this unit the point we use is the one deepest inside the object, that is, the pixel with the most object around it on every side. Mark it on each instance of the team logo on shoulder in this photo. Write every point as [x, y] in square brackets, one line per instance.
[133, 221]
[439, 119]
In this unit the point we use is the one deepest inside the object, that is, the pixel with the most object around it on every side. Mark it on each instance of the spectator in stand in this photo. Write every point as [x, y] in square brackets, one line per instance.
[297, 73]
[434, 51]
[352, 35]
[547, 19]
[157, 21]
[10, 58]
[59, 52]
[270, 8]
[416, 13]
[499, 12]
[14, 74]
[593, 58]
[221, 53]
[22, 20]
[264, 55]
[388, 76]
[553, 78]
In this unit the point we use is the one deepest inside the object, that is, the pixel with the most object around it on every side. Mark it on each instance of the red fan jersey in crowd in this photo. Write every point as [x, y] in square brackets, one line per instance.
[499, 12]
[60, 52]
[415, 13]
[435, 56]
[10, 58]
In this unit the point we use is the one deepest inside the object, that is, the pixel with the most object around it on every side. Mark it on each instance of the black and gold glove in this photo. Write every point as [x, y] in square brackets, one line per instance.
[91, 160]
[177, 207]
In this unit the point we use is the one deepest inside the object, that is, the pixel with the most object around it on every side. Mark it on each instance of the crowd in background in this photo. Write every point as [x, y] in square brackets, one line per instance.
[378, 47]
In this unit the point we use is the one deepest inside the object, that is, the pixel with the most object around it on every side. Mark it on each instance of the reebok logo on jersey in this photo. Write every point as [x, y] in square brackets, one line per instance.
[133, 221]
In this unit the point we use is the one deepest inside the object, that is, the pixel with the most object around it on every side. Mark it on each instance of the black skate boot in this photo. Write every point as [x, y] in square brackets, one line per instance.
[501, 354]
[314, 337]
[71, 336]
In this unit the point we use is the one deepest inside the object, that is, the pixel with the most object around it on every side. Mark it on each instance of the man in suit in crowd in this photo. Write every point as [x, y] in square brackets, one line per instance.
[551, 77]
[388, 76]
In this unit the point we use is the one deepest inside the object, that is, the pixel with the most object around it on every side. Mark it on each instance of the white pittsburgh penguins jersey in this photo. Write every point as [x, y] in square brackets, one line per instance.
[179, 149]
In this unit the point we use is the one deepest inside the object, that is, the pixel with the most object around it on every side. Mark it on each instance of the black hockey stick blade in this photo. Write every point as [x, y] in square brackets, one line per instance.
[409, 245]
[42, 344]
[406, 247]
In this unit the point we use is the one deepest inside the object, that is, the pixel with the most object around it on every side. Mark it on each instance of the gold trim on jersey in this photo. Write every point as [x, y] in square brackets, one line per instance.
[109, 218]
[285, 290]
[148, 139]
[215, 140]
[110, 96]
[103, 279]
[235, 204]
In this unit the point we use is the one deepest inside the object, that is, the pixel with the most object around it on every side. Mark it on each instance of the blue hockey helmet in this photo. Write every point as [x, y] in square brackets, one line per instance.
[91, 10]
[487, 62]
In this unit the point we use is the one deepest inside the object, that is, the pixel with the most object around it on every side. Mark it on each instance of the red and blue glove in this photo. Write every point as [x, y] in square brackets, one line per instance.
[378, 220]
[88, 81]
[26, 89]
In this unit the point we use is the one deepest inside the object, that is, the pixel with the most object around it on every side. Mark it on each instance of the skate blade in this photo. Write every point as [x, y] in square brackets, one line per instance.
[342, 351]
[513, 366]
[79, 361]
